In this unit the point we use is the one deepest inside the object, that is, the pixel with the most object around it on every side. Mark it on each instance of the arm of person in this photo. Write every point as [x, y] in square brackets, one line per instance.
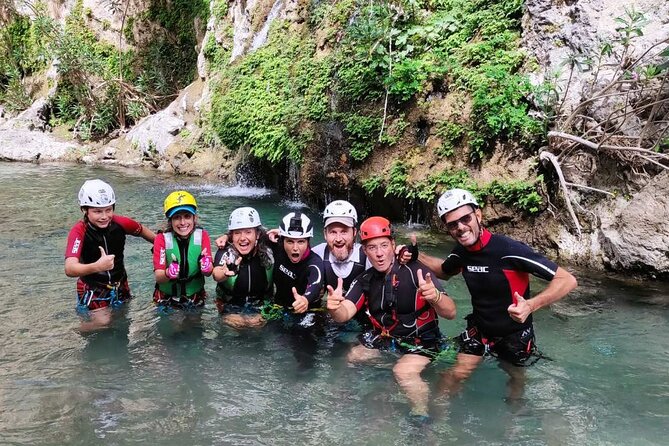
[206, 260]
[74, 268]
[73, 250]
[159, 260]
[433, 264]
[147, 234]
[563, 282]
[220, 273]
[341, 309]
[434, 294]
[133, 227]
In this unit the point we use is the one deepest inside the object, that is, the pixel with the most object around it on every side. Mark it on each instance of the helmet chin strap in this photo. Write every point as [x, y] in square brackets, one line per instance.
[478, 244]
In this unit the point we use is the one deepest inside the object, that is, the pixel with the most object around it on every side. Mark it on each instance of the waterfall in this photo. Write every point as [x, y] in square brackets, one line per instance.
[241, 20]
[242, 14]
[261, 36]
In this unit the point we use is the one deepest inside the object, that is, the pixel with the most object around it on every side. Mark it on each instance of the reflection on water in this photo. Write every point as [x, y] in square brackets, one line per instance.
[171, 380]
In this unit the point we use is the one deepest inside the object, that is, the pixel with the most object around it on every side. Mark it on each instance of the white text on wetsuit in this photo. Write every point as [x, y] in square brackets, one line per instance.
[477, 269]
[287, 272]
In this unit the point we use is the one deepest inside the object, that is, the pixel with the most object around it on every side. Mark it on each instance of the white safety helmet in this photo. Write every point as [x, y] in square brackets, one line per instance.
[296, 225]
[96, 194]
[242, 218]
[340, 211]
[453, 199]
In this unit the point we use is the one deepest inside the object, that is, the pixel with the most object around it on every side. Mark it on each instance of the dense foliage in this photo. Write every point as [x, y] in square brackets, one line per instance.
[101, 88]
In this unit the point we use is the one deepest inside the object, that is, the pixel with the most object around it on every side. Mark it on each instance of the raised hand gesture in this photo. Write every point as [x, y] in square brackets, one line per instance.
[335, 295]
[301, 304]
[106, 261]
[520, 309]
[427, 288]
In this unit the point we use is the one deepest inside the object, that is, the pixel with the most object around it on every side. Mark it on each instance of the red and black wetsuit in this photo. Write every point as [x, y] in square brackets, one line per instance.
[84, 242]
[395, 306]
[494, 271]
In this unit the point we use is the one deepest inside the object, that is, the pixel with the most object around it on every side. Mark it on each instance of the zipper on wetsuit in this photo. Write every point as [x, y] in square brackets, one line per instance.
[104, 238]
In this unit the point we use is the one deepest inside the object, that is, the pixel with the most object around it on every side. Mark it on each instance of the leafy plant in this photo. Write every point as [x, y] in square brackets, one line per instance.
[266, 101]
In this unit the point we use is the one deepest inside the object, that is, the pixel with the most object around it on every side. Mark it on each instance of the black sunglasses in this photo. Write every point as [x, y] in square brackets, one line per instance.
[465, 220]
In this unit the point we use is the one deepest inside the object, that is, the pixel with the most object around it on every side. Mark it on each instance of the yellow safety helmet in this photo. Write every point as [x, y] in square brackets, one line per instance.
[179, 201]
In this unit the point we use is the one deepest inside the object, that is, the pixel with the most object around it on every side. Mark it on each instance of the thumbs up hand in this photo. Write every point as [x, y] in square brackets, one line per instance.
[301, 303]
[520, 309]
[335, 296]
[427, 288]
[172, 271]
[106, 261]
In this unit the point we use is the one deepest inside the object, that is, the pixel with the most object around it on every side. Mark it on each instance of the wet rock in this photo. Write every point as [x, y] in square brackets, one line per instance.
[36, 117]
[24, 145]
[637, 238]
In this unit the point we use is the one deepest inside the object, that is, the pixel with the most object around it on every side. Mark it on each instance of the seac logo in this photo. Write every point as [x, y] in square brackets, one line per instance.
[75, 246]
[477, 269]
[287, 272]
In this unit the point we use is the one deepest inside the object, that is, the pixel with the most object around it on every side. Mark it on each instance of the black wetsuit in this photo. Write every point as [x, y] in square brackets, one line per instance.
[396, 307]
[306, 276]
[251, 285]
[494, 273]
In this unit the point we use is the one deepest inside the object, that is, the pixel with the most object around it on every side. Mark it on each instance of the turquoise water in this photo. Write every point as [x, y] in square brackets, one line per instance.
[160, 380]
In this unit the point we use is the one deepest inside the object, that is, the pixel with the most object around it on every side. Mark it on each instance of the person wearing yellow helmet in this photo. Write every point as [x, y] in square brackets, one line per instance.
[94, 253]
[181, 255]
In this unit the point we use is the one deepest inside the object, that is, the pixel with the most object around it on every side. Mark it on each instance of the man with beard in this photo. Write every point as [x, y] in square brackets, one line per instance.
[342, 256]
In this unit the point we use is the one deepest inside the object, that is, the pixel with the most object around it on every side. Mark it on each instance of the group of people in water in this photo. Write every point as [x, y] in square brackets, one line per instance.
[390, 289]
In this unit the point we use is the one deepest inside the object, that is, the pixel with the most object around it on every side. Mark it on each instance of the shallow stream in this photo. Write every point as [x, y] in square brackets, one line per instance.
[150, 379]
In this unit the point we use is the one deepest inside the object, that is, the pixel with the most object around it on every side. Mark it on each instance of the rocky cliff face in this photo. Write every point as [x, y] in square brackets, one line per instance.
[619, 208]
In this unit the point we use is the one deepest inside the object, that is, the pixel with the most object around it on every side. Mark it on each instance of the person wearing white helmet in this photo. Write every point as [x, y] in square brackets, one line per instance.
[243, 270]
[342, 256]
[95, 248]
[496, 270]
[298, 271]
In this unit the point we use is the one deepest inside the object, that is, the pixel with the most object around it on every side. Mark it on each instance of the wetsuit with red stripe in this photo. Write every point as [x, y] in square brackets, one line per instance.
[84, 242]
[495, 269]
[396, 307]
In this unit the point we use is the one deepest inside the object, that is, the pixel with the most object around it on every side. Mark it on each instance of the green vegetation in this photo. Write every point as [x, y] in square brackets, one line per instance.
[22, 54]
[520, 195]
[101, 88]
[267, 100]
[405, 48]
[451, 135]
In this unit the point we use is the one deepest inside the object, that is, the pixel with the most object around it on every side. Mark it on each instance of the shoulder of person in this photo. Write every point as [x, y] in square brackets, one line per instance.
[319, 249]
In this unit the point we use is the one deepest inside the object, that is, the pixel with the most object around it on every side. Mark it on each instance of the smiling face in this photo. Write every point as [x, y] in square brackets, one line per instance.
[99, 217]
[295, 248]
[380, 251]
[464, 225]
[183, 223]
[339, 239]
[244, 240]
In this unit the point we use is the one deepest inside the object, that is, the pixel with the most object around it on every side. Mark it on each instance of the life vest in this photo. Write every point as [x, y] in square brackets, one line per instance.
[331, 277]
[191, 280]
